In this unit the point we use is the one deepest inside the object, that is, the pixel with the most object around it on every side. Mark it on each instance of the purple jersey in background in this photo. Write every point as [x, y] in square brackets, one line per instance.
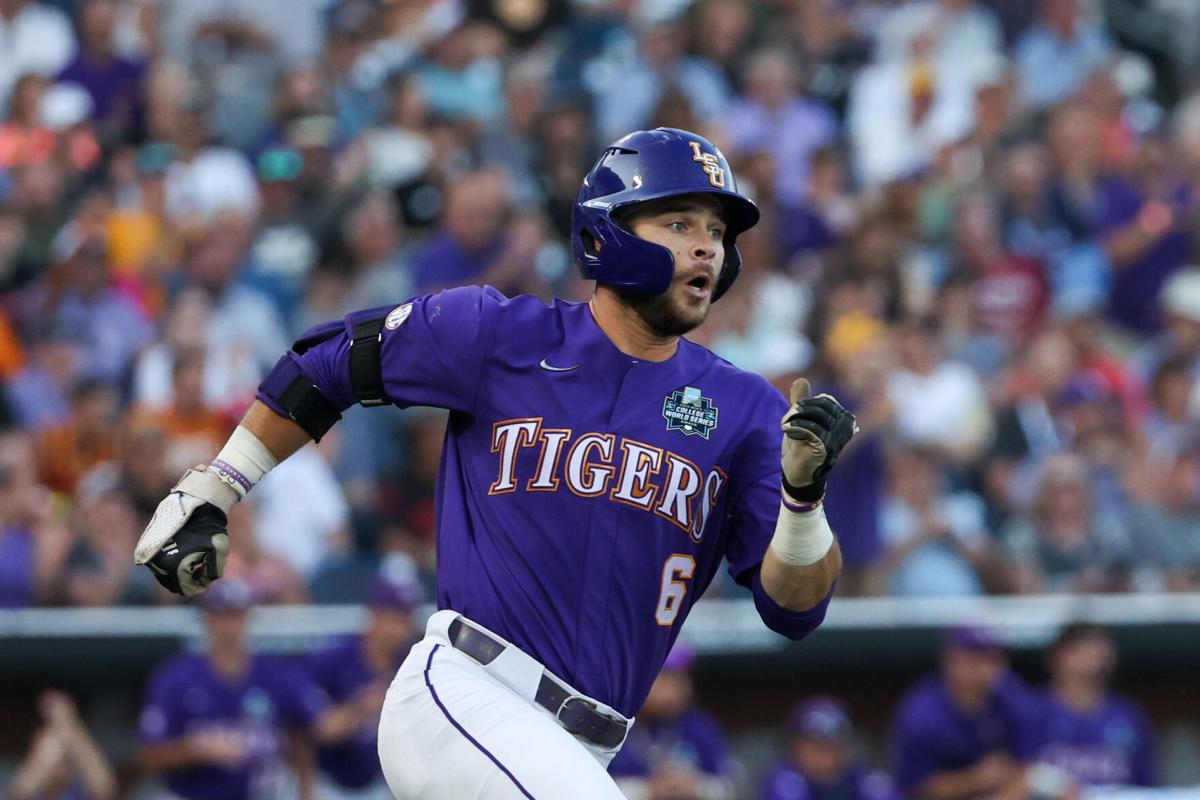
[931, 735]
[694, 741]
[785, 782]
[580, 489]
[186, 697]
[1113, 744]
[342, 672]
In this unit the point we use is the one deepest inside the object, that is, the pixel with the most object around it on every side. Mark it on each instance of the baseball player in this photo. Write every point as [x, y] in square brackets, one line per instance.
[355, 673]
[597, 468]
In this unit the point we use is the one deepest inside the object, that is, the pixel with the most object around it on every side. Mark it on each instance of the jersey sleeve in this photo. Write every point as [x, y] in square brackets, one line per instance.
[431, 350]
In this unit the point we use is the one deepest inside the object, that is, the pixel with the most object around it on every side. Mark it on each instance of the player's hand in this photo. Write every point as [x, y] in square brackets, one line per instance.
[816, 429]
[186, 543]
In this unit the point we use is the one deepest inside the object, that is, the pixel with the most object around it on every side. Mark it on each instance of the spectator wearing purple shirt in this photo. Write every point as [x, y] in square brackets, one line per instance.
[1094, 735]
[217, 724]
[355, 673]
[962, 733]
[774, 117]
[676, 751]
[821, 764]
[470, 245]
[1145, 223]
[114, 83]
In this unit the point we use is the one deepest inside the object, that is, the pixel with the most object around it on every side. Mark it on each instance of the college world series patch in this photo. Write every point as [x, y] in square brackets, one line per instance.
[689, 411]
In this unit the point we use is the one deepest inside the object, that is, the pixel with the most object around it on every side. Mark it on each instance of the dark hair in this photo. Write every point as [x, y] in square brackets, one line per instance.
[1075, 632]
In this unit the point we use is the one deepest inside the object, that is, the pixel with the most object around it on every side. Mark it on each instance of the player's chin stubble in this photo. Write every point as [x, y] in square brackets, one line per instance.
[666, 314]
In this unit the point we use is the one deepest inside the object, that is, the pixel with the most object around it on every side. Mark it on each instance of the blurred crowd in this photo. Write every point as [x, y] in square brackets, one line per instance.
[979, 231]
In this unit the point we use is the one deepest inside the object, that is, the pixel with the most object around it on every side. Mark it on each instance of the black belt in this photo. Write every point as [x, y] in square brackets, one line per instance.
[578, 715]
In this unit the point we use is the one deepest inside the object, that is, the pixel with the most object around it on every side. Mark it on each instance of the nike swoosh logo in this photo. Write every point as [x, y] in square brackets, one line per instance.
[550, 368]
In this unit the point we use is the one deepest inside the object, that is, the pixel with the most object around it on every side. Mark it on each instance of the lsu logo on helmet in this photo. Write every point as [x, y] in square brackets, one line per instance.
[710, 164]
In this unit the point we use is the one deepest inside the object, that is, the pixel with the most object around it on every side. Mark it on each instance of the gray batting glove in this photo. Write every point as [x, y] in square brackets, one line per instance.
[186, 543]
[816, 429]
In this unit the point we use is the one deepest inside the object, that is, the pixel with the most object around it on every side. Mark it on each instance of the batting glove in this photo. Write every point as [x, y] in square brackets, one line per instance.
[816, 429]
[186, 544]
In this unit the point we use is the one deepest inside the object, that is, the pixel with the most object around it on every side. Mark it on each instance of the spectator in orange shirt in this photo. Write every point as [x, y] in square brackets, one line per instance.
[192, 428]
[87, 438]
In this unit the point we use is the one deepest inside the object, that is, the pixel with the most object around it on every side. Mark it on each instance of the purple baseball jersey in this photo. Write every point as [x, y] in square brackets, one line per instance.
[785, 781]
[342, 671]
[930, 735]
[585, 498]
[694, 741]
[186, 697]
[1113, 744]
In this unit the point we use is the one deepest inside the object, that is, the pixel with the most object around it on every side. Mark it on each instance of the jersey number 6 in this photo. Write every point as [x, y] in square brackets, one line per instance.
[676, 569]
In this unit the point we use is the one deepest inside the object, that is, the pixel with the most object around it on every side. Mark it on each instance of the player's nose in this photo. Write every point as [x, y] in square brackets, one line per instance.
[704, 249]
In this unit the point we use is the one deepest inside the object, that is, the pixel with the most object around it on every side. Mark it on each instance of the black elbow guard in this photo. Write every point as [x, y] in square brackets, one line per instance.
[292, 390]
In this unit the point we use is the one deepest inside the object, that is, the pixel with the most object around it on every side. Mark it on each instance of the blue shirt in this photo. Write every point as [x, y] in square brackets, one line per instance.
[694, 740]
[1112, 744]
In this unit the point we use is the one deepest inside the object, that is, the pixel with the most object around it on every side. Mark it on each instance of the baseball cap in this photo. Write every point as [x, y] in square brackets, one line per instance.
[228, 594]
[680, 659]
[820, 717]
[974, 638]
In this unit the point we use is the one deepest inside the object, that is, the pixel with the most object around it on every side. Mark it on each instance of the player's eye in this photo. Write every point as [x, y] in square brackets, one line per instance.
[716, 233]
[677, 225]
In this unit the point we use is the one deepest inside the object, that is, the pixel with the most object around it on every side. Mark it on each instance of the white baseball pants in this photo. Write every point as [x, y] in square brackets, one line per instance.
[453, 729]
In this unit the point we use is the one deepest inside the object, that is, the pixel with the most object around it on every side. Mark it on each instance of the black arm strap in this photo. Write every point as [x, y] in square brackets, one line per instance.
[366, 372]
[309, 407]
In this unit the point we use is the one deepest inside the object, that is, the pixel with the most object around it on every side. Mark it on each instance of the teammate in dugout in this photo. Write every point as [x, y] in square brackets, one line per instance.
[597, 468]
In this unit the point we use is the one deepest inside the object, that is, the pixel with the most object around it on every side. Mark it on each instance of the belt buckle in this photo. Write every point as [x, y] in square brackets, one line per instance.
[563, 706]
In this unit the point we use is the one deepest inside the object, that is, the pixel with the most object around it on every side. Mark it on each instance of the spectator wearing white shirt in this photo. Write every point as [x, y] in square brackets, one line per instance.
[33, 38]
[938, 402]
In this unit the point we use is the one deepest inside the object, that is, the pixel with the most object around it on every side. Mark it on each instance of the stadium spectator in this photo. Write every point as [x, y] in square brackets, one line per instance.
[935, 540]
[1097, 737]
[64, 762]
[224, 723]
[38, 38]
[355, 673]
[87, 438]
[775, 118]
[113, 82]
[963, 732]
[1064, 543]
[33, 543]
[820, 763]
[1163, 520]
[96, 571]
[1057, 53]
[679, 751]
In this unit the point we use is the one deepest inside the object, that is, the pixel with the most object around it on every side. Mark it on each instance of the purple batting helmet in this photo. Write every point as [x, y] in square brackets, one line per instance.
[652, 165]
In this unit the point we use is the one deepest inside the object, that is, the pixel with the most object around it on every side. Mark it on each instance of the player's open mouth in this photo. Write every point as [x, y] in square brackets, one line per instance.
[700, 286]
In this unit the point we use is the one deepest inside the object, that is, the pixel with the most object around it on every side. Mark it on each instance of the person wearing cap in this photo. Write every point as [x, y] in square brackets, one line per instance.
[677, 751]
[820, 763]
[1095, 736]
[963, 733]
[218, 723]
[355, 673]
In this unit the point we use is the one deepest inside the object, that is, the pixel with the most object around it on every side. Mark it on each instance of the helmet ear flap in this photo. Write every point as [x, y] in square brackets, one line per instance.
[590, 246]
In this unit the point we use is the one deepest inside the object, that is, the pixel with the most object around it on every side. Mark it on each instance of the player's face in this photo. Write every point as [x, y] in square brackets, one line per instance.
[823, 760]
[692, 227]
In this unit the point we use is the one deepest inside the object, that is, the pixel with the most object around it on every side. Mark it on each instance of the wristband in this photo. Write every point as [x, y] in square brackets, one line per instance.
[243, 461]
[801, 537]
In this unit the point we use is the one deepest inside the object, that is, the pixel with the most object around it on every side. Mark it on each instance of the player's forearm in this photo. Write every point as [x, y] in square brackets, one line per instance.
[280, 435]
[171, 755]
[798, 587]
[338, 723]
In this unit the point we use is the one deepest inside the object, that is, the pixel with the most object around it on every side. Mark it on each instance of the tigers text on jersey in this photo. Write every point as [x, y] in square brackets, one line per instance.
[585, 498]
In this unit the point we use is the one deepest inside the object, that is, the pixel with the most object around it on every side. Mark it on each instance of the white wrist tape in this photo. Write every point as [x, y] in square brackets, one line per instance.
[801, 538]
[243, 461]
